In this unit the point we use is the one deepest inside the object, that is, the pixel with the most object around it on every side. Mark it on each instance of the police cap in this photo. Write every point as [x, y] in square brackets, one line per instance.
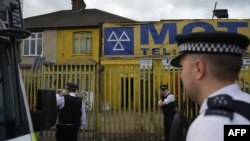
[217, 42]
[71, 86]
[163, 87]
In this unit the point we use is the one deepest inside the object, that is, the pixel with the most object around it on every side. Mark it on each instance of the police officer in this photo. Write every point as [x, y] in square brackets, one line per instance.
[71, 114]
[168, 105]
[211, 62]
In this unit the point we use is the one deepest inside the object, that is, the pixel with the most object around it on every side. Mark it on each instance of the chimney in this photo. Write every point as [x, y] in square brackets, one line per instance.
[78, 5]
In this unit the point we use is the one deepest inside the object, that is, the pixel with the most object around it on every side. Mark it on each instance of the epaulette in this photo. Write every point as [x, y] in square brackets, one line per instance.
[225, 105]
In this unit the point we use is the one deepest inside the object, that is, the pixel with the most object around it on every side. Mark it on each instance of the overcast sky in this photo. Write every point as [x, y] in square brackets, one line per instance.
[146, 10]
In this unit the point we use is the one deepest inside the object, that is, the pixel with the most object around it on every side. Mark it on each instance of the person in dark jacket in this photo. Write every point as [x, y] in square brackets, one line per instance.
[168, 105]
[72, 116]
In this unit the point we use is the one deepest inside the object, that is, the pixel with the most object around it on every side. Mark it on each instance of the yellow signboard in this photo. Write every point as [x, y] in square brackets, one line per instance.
[157, 39]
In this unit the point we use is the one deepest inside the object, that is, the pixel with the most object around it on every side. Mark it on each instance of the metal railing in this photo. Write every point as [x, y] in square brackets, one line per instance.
[124, 105]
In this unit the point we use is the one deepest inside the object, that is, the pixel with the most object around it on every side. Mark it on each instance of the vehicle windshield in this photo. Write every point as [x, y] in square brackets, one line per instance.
[13, 117]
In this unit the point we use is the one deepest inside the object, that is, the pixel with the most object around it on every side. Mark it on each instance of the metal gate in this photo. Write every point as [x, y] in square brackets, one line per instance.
[121, 100]
[55, 77]
[130, 94]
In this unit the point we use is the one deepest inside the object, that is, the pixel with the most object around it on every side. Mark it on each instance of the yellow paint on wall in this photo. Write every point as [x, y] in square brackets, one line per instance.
[120, 62]
[65, 47]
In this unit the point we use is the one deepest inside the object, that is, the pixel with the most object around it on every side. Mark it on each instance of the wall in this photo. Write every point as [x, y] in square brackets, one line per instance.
[64, 48]
[49, 45]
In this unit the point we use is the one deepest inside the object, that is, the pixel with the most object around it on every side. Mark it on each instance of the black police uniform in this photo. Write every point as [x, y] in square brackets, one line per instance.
[168, 112]
[69, 116]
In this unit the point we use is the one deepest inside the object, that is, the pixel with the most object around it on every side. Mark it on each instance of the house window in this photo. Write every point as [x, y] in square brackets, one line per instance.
[32, 46]
[82, 43]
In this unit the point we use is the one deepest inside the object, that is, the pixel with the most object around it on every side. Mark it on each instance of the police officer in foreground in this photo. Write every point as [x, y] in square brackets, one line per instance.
[72, 116]
[211, 62]
[168, 105]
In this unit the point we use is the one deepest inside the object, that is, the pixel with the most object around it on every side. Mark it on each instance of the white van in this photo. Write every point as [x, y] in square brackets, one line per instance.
[17, 122]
